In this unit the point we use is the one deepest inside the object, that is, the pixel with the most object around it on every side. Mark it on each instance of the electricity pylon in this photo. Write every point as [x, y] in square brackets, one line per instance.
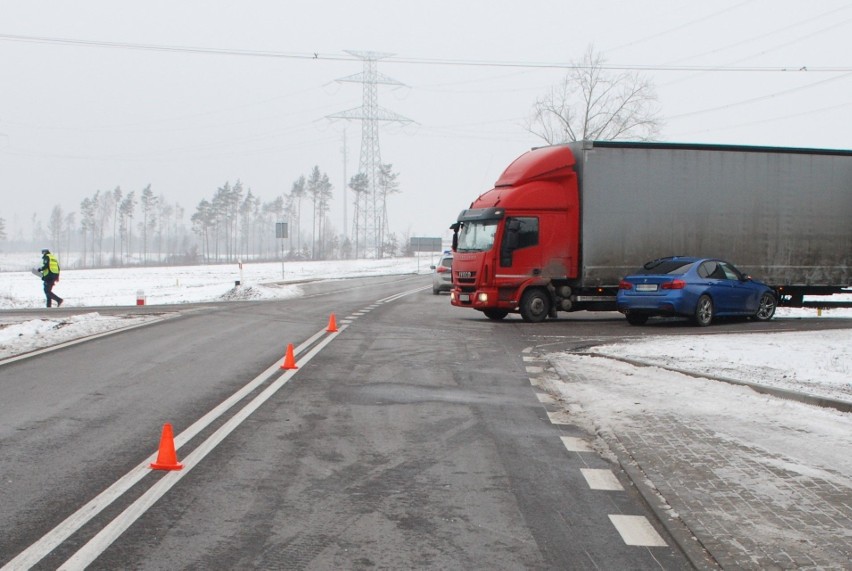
[368, 219]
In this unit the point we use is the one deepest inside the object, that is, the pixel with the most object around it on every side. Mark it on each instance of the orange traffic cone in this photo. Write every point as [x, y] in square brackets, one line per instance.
[332, 325]
[166, 457]
[289, 359]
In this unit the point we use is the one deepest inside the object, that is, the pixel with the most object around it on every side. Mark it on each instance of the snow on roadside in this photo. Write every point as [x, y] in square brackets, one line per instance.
[813, 362]
[19, 337]
[609, 396]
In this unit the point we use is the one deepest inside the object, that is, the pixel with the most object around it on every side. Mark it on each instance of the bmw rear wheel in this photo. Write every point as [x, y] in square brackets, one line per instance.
[704, 311]
[766, 309]
[637, 318]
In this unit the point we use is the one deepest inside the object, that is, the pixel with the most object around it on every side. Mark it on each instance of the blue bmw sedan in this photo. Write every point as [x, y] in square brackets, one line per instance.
[698, 288]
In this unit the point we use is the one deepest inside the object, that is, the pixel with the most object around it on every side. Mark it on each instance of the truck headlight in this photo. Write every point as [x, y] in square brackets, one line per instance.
[482, 297]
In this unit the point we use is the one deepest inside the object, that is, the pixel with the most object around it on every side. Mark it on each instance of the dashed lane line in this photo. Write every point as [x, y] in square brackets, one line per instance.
[601, 479]
[635, 530]
[574, 444]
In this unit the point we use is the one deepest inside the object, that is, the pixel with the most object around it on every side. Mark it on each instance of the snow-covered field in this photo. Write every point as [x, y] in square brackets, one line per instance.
[158, 286]
[183, 284]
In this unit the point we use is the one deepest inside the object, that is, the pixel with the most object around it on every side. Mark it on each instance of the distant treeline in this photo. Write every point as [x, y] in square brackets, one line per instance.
[121, 228]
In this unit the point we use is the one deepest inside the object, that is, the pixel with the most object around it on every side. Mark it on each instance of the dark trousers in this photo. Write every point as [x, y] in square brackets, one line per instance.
[48, 293]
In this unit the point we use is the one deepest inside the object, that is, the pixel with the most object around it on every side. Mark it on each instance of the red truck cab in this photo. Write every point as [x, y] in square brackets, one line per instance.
[517, 246]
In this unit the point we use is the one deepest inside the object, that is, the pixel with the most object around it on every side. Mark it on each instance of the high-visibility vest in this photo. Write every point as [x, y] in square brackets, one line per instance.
[52, 265]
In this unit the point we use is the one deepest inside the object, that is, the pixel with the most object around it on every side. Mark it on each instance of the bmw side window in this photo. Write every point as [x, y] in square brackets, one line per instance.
[730, 272]
[711, 270]
[715, 271]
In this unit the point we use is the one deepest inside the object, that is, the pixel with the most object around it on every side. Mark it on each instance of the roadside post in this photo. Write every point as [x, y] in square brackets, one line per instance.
[281, 234]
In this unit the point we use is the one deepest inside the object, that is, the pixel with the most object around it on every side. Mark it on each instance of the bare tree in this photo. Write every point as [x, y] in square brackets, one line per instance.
[388, 184]
[202, 221]
[149, 218]
[104, 214]
[116, 204]
[70, 225]
[595, 103]
[360, 186]
[88, 207]
[56, 225]
[127, 210]
[297, 193]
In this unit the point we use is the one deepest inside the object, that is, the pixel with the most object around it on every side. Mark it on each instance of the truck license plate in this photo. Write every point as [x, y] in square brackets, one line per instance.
[646, 287]
[464, 297]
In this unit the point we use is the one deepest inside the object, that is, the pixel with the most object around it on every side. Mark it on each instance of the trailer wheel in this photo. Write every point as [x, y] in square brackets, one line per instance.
[535, 305]
[637, 318]
[704, 311]
[495, 314]
[766, 308]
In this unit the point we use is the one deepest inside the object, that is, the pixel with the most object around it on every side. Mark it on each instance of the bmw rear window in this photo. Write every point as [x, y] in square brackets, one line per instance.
[665, 267]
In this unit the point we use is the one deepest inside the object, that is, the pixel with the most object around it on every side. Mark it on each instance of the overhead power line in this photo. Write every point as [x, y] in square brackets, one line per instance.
[406, 60]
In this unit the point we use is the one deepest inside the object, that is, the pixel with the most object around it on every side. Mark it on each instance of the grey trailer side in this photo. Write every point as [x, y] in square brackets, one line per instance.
[782, 215]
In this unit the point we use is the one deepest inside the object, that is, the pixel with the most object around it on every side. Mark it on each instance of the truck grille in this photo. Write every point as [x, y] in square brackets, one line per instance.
[466, 277]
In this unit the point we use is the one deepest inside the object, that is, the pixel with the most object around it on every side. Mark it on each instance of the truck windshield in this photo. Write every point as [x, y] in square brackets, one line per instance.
[477, 236]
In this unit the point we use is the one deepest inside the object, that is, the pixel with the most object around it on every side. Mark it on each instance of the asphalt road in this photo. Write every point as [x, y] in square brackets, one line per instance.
[410, 438]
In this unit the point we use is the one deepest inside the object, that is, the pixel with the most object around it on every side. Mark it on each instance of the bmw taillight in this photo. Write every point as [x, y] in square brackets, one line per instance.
[674, 284]
[625, 285]
[442, 269]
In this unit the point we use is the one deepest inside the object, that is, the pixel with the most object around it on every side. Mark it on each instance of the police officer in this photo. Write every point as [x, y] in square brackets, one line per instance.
[50, 275]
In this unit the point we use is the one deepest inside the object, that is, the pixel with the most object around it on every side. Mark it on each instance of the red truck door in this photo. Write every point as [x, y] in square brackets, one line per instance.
[520, 254]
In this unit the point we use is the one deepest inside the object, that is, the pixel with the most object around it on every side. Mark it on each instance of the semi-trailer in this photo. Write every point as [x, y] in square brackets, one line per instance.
[564, 223]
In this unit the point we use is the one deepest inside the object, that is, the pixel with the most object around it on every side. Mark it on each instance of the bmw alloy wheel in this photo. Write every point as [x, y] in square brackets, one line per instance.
[704, 311]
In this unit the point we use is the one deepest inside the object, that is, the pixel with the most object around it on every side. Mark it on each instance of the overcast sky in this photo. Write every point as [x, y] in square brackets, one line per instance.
[76, 118]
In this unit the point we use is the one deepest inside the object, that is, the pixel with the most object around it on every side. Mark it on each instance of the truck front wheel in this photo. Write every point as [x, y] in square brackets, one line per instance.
[535, 305]
[495, 314]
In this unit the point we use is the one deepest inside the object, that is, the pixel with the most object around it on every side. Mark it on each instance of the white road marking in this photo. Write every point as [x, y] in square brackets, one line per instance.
[38, 550]
[601, 480]
[98, 544]
[637, 530]
[532, 369]
[403, 294]
[573, 444]
[559, 417]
